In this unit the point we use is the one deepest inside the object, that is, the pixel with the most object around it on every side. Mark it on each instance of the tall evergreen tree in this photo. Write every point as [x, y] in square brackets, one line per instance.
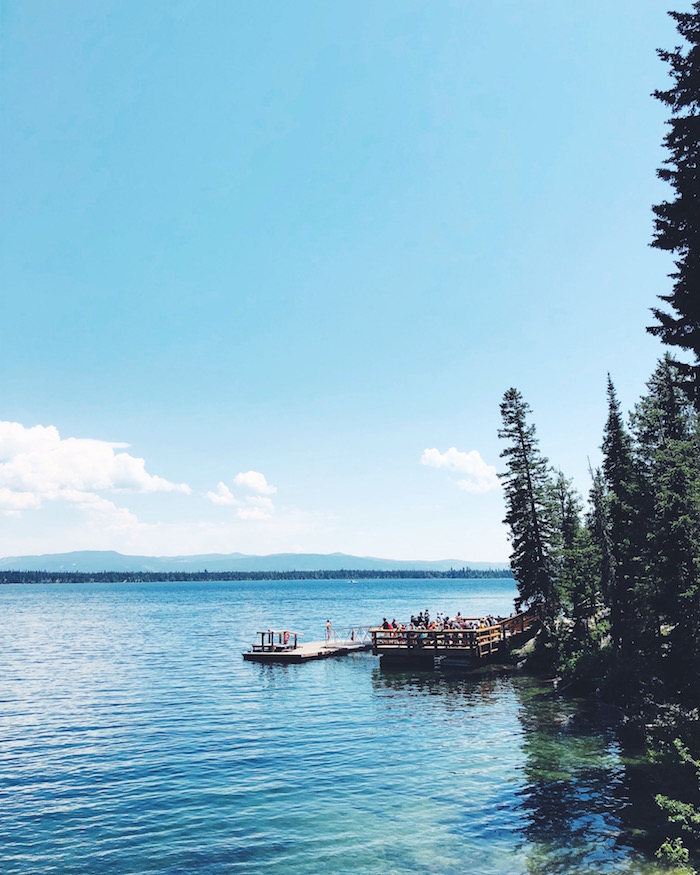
[662, 414]
[678, 539]
[529, 509]
[628, 604]
[677, 223]
[572, 554]
[669, 462]
[598, 527]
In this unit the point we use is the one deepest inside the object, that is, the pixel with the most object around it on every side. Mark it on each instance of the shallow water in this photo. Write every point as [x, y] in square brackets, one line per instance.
[134, 739]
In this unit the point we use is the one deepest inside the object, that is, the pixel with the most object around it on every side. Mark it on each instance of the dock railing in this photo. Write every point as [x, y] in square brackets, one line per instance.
[479, 641]
[350, 635]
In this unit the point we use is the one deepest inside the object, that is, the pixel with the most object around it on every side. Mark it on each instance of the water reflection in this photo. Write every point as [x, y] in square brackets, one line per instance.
[571, 809]
[573, 772]
[453, 688]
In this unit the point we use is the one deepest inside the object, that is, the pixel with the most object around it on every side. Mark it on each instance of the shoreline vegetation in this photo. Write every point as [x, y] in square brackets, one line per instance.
[617, 587]
[18, 577]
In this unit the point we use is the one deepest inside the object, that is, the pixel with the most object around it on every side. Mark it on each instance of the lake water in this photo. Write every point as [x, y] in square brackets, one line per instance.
[134, 739]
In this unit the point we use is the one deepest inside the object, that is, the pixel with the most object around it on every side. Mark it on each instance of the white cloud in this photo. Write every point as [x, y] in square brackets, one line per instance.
[252, 513]
[13, 502]
[223, 495]
[101, 511]
[250, 507]
[37, 465]
[255, 482]
[480, 476]
[261, 501]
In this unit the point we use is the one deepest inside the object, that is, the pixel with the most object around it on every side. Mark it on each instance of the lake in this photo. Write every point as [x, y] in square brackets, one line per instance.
[135, 739]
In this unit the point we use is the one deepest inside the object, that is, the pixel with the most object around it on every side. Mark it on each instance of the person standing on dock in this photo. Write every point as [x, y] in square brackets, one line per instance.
[329, 626]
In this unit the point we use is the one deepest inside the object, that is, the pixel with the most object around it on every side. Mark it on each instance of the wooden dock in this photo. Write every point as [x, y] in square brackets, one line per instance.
[399, 648]
[426, 648]
[283, 646]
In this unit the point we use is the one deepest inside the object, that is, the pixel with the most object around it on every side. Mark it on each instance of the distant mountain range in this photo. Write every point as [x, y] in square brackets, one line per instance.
[94, 561]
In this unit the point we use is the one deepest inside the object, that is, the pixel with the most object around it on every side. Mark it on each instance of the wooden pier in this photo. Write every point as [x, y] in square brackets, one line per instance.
[283, 646]
[426, 648]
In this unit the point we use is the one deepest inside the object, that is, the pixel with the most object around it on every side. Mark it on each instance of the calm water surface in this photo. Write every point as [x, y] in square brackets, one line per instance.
[134, 739]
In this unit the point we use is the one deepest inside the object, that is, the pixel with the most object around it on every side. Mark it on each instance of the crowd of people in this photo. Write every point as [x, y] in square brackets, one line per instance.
[442, 622]
[458, 631]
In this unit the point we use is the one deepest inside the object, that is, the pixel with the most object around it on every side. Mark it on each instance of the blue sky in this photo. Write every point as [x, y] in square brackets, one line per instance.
[257, 258]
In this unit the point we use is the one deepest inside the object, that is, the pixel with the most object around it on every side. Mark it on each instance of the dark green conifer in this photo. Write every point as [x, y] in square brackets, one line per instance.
[629, 608]
[576, 584]
[529, 509]
[677, 222]
[669, 462]
[598, 528]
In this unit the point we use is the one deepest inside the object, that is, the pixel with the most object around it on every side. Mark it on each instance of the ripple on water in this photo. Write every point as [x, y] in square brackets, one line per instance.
[136, 740]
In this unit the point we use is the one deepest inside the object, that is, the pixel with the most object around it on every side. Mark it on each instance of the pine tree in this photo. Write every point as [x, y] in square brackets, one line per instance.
[529, 509]
[577, 638]
[677, 222]
[598, 528]
[669, 462]
[678, 539]
[662, 414]
[574, 556]
[629, 608]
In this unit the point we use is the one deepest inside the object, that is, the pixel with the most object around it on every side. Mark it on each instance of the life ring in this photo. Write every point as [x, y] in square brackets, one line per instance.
[286, 637]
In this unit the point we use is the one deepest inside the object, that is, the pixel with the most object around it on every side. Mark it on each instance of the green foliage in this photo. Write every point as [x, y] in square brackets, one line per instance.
[575, 557]
[598, 531]
[682, 813]
[678, 220]
[619, 589]
[529, 509]
[583, 665]
[182, 576]
[685, 815]
[668, 464]
[631, 622]
[675, 855]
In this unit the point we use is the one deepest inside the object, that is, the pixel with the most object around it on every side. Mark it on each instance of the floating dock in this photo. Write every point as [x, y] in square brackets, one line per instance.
[283, 646]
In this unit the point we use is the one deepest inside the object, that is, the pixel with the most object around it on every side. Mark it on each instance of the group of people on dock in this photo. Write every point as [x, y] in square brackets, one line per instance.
[456, 631]
[442, 622]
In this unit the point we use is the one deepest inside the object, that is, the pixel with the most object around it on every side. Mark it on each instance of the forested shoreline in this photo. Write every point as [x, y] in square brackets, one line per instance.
[616, 586]
[14, 577]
